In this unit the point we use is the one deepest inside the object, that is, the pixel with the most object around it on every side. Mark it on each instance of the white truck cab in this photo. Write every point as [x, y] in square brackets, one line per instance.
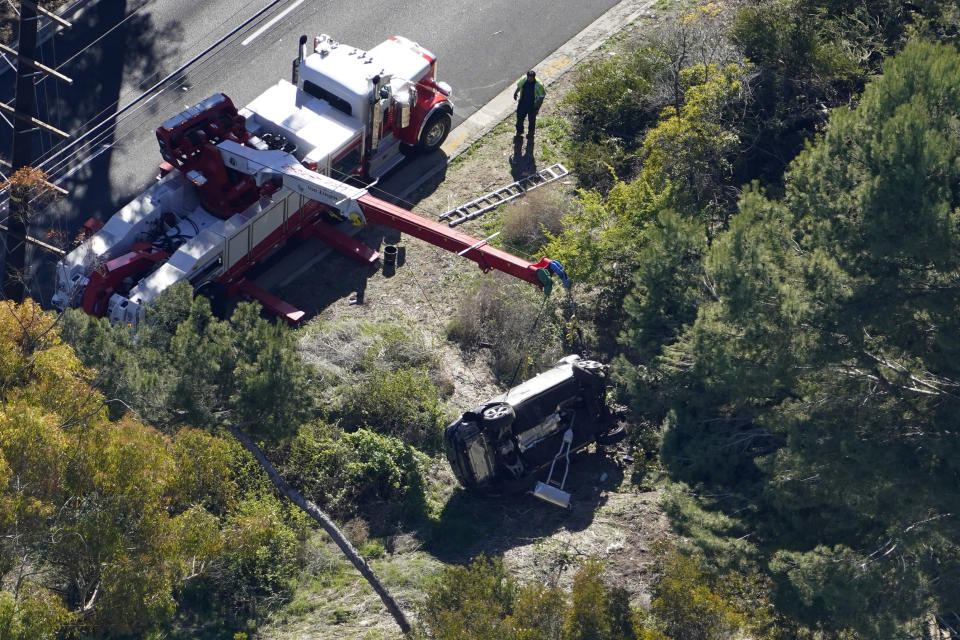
[352, 112]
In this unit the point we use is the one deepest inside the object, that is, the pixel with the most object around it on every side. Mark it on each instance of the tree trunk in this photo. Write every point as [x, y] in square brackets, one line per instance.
[328, 525]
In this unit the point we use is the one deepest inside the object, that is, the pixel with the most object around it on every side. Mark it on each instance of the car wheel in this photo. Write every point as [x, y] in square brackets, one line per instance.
[497, 416]
[435, 132]
[618, 434]
[590, 372]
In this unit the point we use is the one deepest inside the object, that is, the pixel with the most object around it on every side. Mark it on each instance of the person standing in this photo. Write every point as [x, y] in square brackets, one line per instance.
[531, 94]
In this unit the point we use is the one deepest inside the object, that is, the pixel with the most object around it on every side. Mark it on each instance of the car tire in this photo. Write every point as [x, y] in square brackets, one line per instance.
[590, 372]
[497, 416]
[435, 132]
[615, 435]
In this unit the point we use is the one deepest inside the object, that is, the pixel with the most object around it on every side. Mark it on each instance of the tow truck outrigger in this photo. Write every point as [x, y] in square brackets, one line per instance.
[235, 186]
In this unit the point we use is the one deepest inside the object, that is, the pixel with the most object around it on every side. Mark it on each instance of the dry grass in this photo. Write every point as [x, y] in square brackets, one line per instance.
[528, 220]
[504, 318]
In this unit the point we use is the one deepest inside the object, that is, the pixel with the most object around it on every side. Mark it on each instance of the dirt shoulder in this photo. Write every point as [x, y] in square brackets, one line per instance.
[611, 520]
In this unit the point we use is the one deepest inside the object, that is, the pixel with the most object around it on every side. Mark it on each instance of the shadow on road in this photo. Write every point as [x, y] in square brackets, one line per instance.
[335, 277]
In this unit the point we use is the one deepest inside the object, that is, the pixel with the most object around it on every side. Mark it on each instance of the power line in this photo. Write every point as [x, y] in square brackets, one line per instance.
[146, 98]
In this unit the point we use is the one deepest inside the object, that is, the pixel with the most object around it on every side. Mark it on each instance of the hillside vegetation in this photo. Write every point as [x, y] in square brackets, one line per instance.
[764, 240]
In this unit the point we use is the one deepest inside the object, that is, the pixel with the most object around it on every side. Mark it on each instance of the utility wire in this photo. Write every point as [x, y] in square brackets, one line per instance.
[102, 36]
[148, 96]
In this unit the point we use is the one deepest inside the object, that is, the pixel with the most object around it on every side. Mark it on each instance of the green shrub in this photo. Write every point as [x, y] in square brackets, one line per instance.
[599, 163]
[402, 403]
[686, 607]
[483, 602]
[350, 473]
[469, 602]
[373, 548]
[611, 106]
[610, 97]
[259, 561]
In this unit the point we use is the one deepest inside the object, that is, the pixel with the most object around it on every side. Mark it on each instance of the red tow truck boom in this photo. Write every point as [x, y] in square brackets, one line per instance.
[487, 257]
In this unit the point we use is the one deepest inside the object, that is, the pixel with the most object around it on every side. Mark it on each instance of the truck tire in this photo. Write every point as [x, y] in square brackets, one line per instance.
[216, 293]
[435, 132]
[497, 416]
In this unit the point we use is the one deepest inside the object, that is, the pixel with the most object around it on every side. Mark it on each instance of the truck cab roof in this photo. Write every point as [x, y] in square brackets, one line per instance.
[347, 72]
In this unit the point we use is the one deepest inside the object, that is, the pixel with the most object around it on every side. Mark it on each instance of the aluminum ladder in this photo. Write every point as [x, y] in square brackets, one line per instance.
[494, 199]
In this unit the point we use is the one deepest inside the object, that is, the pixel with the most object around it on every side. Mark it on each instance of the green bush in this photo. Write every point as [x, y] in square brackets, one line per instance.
[610, 97]
[611, 106]
[599, 163]
[469, 603]
[686, 607]
[483, 602]
[402, 403]
[350, 473]
[181, 365]
[259, 561]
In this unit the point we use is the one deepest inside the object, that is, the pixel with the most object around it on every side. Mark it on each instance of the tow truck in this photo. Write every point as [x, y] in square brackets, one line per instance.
[237, 185]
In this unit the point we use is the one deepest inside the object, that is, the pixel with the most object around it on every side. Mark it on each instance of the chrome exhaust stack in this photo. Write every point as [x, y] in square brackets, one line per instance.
[301, 54]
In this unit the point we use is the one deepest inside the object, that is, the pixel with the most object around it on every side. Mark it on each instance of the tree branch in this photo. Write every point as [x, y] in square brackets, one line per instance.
[328, 525]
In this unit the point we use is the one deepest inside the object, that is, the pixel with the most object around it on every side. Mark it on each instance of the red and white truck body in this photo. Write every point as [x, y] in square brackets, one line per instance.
[236, 185]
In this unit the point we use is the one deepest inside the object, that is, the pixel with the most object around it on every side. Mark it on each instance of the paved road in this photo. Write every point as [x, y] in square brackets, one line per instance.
[482, 45]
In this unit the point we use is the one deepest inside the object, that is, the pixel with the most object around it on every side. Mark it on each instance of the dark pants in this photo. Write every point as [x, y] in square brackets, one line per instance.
[531, 116]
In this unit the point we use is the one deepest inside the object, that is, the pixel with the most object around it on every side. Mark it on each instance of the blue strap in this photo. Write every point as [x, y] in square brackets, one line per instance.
[557, 268]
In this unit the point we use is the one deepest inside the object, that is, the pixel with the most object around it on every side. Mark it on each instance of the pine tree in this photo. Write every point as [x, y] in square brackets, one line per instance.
[818, 392]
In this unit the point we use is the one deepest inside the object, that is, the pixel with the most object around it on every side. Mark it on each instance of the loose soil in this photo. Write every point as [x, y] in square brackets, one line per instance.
[611, 519]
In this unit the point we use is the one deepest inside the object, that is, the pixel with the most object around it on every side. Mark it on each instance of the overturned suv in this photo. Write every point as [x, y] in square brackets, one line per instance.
[502, 442]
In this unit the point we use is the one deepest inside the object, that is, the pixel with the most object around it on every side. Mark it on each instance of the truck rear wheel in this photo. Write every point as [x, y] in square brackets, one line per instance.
[435, 132]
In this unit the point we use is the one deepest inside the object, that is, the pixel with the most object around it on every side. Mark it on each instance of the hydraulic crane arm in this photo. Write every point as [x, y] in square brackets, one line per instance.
[268, 165]
[362, 208]
[440, 235]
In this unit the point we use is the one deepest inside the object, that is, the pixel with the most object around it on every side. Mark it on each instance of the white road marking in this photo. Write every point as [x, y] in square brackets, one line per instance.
[281, 16]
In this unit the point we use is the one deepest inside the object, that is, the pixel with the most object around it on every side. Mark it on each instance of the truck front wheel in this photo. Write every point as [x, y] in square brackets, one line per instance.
[433, 135]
